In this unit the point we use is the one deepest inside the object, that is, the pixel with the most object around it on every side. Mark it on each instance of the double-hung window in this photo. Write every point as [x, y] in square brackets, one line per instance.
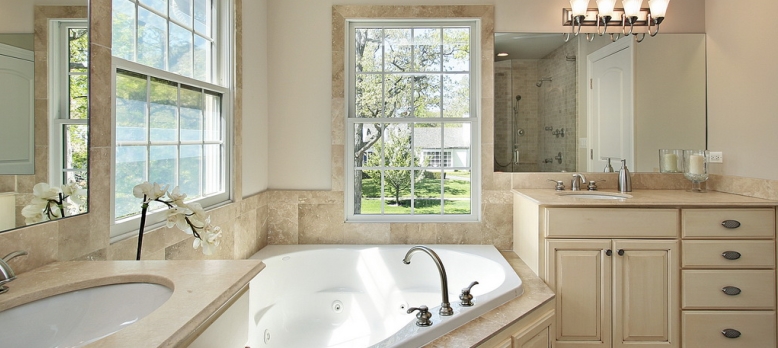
[172, 88]
[412, 126]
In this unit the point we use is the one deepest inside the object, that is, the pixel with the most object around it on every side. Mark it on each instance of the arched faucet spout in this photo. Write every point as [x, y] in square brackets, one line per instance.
[445, 306]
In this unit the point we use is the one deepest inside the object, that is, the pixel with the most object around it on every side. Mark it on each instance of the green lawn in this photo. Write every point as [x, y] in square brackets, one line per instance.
[373, 206]
[426, 188]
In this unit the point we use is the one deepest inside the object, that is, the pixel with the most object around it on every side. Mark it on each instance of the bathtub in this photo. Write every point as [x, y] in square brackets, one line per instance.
[357, 296]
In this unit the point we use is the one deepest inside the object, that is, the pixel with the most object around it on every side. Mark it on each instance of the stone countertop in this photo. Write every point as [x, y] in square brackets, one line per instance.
[200, 289]
[645, 198]
[475, 332]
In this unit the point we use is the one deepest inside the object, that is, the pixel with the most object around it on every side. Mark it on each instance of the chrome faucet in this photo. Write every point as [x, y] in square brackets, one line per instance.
[578, 179]
[6, 273]
[445, 306]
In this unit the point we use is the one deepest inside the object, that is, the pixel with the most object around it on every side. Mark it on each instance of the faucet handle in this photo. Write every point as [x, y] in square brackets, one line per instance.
[14, 254]
[423, 317]
[466, 296]
[560, 185]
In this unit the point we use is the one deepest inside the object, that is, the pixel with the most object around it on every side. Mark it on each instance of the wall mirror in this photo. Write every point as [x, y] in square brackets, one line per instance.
[548, 101]
[44, 68]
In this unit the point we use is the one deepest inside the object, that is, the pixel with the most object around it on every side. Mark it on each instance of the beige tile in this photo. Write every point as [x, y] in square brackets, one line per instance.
[459, 233]
[100, 22]
[100, 104]
[412, 233]
[40, 241]
[75, 238]
[497, 225]
[282, 224]
[366, 233]
[321, 224]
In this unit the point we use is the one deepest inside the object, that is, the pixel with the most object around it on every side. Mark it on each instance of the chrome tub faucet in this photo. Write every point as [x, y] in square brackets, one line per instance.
[445, 306]
[6, 273]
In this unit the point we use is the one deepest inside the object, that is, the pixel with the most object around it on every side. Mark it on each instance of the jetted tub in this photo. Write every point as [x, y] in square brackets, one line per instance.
[357, 296]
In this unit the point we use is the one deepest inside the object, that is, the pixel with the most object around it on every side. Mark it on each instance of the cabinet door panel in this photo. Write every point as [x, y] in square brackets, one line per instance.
[579, 273]
[645, 292]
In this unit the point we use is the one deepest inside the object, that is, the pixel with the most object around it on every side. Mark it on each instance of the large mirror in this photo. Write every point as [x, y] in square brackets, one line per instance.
[552, 97]
[44, 93]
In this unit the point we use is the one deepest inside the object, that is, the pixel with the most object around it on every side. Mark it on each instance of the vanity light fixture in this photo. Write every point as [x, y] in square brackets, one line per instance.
[632, 14]
[502, 54]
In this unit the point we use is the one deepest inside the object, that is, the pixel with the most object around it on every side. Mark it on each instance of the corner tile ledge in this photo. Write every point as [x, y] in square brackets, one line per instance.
[200, 288]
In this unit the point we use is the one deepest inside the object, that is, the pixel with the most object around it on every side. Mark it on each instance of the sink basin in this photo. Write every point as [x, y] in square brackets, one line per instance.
[595, 195]
[77, 318]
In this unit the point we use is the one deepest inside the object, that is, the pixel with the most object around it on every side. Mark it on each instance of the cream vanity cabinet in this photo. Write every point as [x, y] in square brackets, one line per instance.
[652, 275]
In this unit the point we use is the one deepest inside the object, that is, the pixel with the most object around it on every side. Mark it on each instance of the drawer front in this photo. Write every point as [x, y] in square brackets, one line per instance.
[704, 329]
[743, 223]
[611, 222]
[703, 289]
[729, 253]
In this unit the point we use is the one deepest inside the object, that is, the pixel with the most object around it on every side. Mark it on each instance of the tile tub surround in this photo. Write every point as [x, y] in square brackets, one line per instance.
[200, 289]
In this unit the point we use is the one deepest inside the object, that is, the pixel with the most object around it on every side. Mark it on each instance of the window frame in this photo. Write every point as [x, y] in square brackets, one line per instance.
[474, 120]
[59, 96]
[223, 83]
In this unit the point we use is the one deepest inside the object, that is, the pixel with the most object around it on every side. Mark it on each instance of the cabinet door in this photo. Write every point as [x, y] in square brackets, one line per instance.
[579, 271]
[645, 293]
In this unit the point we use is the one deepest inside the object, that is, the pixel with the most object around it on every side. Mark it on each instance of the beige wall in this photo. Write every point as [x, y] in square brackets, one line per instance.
[16, 16]
[255, 101]
[742, 75]
[299, 46]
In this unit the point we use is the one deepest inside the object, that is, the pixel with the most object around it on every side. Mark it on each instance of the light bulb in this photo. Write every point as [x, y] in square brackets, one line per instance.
[605, 7]
[632, 7]
[658, 7]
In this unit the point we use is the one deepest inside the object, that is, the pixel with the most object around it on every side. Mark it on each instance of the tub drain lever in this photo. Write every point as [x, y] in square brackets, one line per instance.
[466, 296]
[423, 317]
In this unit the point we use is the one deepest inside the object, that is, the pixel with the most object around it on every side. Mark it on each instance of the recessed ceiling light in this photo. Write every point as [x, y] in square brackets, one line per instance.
[502, 54]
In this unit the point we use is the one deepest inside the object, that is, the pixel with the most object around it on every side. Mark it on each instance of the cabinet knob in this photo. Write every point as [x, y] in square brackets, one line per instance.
[608, 252]
[731, 255]
[730, 333]
[731, 290]
[730, 224]
[621, 252]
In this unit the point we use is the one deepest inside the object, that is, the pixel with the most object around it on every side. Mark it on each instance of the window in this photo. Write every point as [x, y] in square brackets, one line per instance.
[69, 102]
[412, 127]
[172, 101]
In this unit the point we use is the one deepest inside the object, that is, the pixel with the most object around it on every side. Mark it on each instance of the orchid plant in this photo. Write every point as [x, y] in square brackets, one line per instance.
[51, 202]
[190, 218]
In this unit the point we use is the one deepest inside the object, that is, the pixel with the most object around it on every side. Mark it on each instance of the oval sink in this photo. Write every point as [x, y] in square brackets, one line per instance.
[77, 318]
[595, 195]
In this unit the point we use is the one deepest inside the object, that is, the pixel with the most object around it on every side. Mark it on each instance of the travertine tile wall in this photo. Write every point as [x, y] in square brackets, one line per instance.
[558, 108]
[243, 222]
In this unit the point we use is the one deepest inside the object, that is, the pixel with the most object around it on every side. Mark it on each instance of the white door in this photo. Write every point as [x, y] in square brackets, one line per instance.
[17, 153]
[611, 106]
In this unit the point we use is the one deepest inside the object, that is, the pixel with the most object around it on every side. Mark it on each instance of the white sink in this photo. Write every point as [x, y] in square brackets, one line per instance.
[77, 318]
[595, 195]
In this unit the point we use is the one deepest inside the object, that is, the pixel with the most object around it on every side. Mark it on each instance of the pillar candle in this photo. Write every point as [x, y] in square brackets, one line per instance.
[670, 162]
[696, 164]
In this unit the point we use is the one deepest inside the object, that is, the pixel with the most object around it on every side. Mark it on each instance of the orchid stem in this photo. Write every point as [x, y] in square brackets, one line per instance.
[144, 207]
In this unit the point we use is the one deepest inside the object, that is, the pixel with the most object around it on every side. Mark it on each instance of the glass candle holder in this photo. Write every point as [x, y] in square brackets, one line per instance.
[671, 161]
[695, 164]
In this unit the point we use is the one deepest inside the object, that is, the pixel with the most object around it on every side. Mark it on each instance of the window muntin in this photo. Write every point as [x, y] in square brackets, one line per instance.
[172, 102]
[411, 94]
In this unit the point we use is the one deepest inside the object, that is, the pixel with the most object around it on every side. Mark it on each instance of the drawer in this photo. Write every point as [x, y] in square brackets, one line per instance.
[704, 329]
[611, 222]
[707, 223]
[739, 254]
[702, 289]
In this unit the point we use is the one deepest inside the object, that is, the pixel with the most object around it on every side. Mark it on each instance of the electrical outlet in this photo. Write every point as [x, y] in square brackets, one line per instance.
[715, 157]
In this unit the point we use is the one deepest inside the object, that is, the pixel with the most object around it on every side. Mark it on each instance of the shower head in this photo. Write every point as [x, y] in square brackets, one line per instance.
[540, 82]
[518, 97]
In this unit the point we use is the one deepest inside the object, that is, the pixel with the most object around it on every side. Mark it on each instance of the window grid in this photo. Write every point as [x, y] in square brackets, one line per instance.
[418, 163]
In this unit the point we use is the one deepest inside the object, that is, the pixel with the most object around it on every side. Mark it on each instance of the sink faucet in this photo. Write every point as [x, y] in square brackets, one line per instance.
[445, 306]
[578, 179]
[6, 273]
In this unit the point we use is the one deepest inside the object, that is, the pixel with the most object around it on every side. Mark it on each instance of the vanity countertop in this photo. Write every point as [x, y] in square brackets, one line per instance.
[200, 289]
[646, 198]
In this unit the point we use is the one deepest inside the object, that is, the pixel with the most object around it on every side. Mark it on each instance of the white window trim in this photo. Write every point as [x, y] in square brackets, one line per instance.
[475, 120]
[224, 84]
[58, 96]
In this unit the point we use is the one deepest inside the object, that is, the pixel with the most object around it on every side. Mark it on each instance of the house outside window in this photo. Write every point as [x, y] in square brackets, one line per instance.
[172, 87]
[412, 127]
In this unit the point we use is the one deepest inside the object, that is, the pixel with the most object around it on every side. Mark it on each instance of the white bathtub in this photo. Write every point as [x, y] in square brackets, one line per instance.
[357, 296]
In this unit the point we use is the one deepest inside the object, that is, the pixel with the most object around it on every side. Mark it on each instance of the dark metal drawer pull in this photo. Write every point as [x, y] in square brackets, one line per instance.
[730, 333]
[731, 255]
[730, 223]
[731, 290]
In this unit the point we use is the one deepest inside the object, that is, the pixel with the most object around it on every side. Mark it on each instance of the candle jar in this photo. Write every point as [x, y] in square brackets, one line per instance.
[695, 164]
[670, 161]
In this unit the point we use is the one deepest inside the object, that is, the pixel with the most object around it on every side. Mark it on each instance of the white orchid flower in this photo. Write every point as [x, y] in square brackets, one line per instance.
[199, 213]
[33, 213]
[177, 197]
[157, 191]
[76, 194]
[176, 216]
[211, 238]
[141, 190]
[45, 192]
[151, 191]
